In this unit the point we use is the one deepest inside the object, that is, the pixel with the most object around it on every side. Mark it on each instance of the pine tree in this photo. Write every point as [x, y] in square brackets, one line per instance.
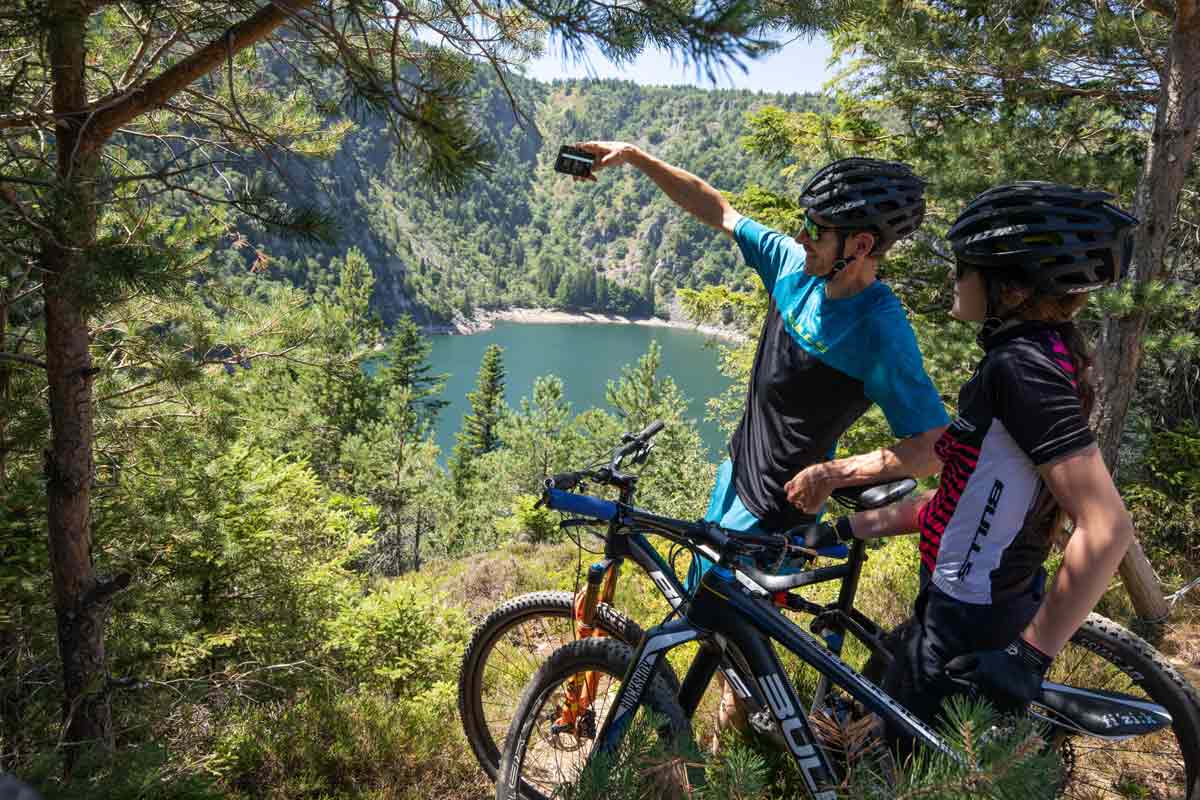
[406, 366]
[88, 85]
[480, 433]
[539, 437]
[648, 292]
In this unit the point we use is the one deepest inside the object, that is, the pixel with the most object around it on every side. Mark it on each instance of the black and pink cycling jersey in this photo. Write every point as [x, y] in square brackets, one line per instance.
[1019, 411]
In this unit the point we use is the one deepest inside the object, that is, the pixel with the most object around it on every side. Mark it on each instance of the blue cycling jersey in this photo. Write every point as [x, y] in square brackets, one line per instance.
[820, 364]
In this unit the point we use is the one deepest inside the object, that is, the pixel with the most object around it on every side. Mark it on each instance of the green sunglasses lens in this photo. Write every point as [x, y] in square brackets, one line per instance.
[812, 229]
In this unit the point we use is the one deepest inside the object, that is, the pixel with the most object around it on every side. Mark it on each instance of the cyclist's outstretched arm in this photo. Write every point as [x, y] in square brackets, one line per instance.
[689, 192]
[893, 520]
[1103, 530]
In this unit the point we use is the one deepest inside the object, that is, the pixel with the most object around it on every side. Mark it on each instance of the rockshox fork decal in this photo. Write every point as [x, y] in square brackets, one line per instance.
[653, 647]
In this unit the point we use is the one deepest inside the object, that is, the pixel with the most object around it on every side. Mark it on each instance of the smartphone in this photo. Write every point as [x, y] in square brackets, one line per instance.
[573, 161]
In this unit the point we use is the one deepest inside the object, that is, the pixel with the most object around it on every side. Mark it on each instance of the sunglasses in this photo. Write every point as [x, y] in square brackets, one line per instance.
[813, 229]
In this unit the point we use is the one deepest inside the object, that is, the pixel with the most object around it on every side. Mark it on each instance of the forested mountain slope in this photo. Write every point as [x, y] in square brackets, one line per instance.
[525, 234]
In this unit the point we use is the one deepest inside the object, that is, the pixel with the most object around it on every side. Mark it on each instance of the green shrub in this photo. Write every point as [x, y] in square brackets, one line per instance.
[330, 744]
[529, 523]
[397, 637]
[143, 772]
[1165, 501]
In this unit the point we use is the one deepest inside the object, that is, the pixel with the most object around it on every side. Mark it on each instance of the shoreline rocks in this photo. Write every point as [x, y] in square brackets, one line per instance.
[484, 319]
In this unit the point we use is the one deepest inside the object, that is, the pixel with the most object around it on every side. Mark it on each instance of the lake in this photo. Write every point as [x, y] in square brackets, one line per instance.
[586, 356]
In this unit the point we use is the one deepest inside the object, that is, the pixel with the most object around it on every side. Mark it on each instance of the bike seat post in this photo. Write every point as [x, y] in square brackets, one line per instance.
[849, 588]
[832, 633]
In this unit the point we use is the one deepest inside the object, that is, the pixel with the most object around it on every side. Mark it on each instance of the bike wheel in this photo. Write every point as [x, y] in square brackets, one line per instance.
[507, 648]
[1103, 655]
[1164, 765]
[537, 761]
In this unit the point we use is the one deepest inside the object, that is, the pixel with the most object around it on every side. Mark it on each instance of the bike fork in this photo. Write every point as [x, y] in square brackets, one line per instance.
[580, 690]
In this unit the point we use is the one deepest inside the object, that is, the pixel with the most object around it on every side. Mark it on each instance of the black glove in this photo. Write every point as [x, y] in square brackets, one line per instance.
[819, 535]
[1011, 677]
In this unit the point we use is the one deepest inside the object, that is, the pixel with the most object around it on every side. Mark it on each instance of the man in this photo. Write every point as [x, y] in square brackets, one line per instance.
[835, 340]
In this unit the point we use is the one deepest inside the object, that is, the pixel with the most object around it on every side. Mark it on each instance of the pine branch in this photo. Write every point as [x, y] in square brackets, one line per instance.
[200, 63]
[21, 359]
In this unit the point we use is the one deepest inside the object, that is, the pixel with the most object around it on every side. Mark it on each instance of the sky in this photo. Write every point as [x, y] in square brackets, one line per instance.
[799, 66]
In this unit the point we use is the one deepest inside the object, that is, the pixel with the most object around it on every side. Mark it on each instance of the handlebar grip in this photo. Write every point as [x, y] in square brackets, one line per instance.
[710, 533]
[650, 430]
[582, 504]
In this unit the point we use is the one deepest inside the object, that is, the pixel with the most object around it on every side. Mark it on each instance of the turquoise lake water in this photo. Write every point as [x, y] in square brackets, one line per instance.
[586, 357]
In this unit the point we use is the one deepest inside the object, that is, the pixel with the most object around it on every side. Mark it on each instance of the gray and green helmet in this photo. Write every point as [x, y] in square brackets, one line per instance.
[886, 197]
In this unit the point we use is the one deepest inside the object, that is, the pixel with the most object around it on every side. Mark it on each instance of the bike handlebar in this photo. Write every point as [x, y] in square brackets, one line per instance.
[635, 442]
[632, 443]
[647, 433]
[722, 541]
[595, 507]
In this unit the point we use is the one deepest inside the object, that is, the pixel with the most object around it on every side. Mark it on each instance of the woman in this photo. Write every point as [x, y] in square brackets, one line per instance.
[1016, 459]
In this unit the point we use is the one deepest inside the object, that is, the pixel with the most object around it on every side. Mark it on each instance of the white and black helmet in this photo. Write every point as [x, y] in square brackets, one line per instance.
[866, 194]
[1058, 239]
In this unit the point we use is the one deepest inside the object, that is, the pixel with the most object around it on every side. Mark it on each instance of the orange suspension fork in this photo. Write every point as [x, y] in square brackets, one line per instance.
[581, 688]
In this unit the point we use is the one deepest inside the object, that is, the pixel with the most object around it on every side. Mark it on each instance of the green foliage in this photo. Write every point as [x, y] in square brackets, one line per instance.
[247, 566]
[23, 555]
[1000, 759]
[405, 367]
[737, 772]
[142, 772]
[395, 638]
[676, 479]
[1165, 500]
[480, 429]
[529, 523]
[539, 437]
[333, 743]
[644, 765]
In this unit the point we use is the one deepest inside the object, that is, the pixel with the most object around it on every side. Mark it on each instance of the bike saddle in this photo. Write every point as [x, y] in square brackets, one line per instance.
[1099, 713]
[862, 498]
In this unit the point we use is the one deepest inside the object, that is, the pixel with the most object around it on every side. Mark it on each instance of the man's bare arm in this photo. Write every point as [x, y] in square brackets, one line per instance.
[894, 520]
[912, 457]
[689, 192]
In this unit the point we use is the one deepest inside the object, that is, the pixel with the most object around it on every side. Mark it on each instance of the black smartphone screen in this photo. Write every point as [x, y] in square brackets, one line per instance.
[572, 161]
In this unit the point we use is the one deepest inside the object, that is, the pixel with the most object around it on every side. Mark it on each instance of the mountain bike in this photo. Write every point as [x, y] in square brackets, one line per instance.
[509, 645]
[1124, 721]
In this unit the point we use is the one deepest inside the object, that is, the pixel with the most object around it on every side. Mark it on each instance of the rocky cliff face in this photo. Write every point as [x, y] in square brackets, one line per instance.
[524, 236]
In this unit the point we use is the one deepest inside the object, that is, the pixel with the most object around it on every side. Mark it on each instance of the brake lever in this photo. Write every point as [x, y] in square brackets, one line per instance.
[642, 454]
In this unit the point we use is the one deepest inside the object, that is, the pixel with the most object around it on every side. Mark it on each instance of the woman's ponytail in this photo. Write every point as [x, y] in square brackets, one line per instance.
[1048, 518]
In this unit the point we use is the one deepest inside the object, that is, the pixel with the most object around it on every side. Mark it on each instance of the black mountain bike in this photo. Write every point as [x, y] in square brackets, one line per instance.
[510, 644]
[1125, 722]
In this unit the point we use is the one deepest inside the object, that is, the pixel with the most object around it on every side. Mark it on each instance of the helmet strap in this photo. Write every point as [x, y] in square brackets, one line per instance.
[842, 261]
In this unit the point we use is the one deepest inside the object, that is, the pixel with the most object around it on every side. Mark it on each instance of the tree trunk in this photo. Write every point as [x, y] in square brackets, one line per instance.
[78, 598]
[1168, 157]
[5, 382]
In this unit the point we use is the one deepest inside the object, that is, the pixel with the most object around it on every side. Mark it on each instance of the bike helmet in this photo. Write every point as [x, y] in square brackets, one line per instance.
[1058, 239]
[868, 194]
